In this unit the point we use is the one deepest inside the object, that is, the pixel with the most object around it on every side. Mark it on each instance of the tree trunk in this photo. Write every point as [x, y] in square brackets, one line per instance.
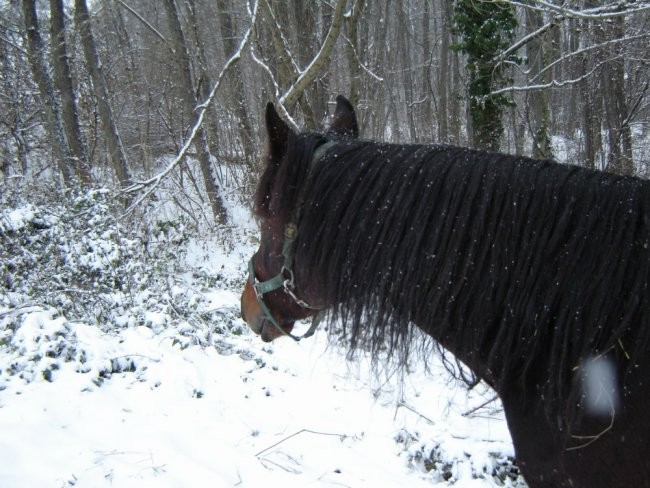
[51, 105]
[188, 96]
[285, 70]
[238, 105]
[115, 149]
[591, 98]
[538, 102]
[353, 52]
[619, 134]
[14, 117]
[444, 74]
[63, 83]
[296, 90]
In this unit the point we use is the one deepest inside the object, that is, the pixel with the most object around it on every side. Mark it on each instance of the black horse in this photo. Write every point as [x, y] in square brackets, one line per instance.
[534, 274]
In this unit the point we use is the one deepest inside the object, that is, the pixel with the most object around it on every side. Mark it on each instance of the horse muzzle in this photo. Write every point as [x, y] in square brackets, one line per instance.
[254, 316]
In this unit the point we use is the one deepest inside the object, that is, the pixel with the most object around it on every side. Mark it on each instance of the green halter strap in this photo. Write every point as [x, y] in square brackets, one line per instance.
[285, 279]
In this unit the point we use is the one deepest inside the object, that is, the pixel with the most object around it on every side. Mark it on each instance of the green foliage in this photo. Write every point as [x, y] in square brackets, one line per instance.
[486, 28]
[442, 467]
[76, 256]
[69, 262]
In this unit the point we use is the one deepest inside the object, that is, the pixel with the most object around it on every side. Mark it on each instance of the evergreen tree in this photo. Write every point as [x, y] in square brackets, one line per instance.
[486, 28]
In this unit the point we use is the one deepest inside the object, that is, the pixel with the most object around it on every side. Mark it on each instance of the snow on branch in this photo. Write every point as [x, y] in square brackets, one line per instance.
[283, 111]
[528, 38]
[562, 13]
[142, 19]
[307, 76]
[550, 84]
[363, 66]
[278, 35]
[152, 183]
[584, 50]
[556, 83]
[614, 9]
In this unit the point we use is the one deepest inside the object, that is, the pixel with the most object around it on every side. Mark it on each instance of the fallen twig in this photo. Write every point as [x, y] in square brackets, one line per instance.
[301, 431]
[486, 402]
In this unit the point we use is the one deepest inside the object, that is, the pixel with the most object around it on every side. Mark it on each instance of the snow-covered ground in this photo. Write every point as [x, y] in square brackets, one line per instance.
[157, 403]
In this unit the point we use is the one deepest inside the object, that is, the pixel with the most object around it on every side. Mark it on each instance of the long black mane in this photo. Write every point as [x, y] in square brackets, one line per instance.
[514, 264]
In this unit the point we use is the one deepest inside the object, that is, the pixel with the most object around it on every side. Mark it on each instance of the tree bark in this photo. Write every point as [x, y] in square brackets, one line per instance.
[444, 74]
[538, 103]
[63, 83]
[238, 105]
[115, 149]
[353, 52]
[619, 134]
[188, 96]
[51, 105]
[317, 64]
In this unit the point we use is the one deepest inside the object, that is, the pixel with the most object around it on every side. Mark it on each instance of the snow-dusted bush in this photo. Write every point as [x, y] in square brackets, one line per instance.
[76, 256]
[68, 262]
[432, 457]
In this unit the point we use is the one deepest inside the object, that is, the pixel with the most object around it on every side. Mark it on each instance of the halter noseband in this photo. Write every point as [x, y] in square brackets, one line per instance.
[284, 279]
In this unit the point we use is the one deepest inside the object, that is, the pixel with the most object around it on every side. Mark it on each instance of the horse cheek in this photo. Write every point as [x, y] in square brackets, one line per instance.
[251, 312]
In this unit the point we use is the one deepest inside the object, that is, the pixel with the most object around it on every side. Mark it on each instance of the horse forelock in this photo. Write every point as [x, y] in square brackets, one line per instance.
[279, 188]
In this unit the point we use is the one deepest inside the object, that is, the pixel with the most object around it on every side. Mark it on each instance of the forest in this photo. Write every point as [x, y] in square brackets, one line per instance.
[131, 139]
[165, 99]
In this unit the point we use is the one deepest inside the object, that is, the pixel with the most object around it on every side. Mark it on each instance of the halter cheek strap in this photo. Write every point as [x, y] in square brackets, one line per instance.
[283, 280]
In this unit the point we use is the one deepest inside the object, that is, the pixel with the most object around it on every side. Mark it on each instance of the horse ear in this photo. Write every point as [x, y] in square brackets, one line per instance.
[344, 120]
[278, 132]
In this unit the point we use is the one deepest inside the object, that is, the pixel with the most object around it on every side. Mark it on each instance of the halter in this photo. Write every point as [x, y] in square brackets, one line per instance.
[284, 279]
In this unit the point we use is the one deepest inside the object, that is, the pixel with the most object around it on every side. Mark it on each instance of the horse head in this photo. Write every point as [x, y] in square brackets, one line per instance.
[280, 291]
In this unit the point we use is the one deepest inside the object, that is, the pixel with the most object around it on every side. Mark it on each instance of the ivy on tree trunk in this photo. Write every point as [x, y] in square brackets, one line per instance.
[486, 29]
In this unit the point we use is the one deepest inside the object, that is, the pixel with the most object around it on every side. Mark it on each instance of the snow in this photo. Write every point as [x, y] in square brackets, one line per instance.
[150, 404]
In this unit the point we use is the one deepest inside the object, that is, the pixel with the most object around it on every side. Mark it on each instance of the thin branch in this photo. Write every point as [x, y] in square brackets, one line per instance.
[555, 83]
[473, 410]
[14, 45]
[528, 38]
[301, 431]
[294, 92]
[283, 111]
[142, 19]
[152, 183]
[363, 66]
[276, 32]
[598, 13]
[267, 70]
[589, 48]
[407, 407]
[632, 112]
[564, 13]
[551, 84]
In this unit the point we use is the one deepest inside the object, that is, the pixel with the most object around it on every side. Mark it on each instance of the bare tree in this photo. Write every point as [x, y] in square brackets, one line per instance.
[538, 113]
[581, 95]
[594, 63]
[619, 137]
[238, 99]
[51, 105]
[353, 51]
[115, 150]
[63, 83]
[17, 104]
[188, 96]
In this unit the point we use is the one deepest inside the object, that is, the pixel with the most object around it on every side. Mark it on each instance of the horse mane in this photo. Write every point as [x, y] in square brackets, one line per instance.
[516, 262]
